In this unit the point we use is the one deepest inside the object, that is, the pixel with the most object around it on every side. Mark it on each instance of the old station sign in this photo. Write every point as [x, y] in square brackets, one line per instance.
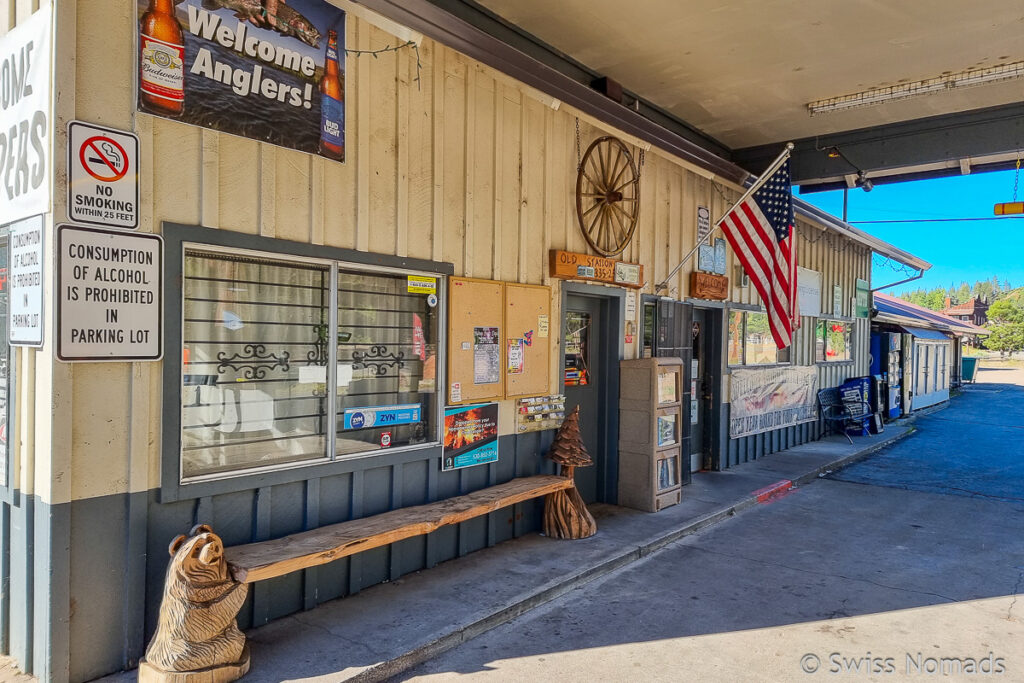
[569, 265]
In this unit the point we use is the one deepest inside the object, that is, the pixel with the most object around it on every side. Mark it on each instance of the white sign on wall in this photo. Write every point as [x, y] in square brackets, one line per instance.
[103, 176]
[25, 121]
[25, 280]
[808, 283]
[703, 223]
[109, 295]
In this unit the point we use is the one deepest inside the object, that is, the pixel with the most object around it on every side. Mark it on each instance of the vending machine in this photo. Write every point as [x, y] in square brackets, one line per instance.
[895, 373]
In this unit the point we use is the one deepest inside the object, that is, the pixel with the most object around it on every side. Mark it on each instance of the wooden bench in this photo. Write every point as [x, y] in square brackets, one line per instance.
[268, 559]
[197, 637]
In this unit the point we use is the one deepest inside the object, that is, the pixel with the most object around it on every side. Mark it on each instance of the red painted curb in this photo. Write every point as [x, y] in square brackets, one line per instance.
[772, 491]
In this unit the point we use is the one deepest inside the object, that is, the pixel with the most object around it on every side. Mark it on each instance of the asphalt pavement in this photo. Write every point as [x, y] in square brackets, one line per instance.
[974, 449]
[904, 566]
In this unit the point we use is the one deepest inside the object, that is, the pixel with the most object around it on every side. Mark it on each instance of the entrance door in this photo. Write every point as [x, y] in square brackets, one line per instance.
[588, 340]
[703, 379]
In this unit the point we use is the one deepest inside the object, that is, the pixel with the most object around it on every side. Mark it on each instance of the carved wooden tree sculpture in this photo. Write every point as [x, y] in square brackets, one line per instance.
[197, 638]
[565, 514]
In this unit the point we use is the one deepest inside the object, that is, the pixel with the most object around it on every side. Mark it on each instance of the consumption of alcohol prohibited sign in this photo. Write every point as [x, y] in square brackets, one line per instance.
[109, 295]
[103, 176]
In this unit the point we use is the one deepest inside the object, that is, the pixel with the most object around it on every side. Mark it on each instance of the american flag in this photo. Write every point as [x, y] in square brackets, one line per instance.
[760, 230]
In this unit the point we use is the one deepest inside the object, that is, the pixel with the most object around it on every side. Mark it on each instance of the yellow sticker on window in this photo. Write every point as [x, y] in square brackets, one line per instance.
[418, 284]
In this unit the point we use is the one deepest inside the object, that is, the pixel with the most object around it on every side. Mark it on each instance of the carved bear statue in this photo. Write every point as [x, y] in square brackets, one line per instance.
[197, 638]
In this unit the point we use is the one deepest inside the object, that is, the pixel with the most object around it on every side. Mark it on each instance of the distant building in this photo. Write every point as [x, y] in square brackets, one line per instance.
[974, 311]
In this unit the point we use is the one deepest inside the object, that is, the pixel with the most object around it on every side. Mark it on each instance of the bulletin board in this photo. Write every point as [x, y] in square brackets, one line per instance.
[476, 340]
[527, 340]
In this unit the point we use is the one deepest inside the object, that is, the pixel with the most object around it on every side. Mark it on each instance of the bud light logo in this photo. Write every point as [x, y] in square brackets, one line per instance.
[357, 420]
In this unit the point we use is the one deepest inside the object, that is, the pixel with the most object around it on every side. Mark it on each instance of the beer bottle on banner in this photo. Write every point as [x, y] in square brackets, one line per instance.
[332, 102]
[161, 60]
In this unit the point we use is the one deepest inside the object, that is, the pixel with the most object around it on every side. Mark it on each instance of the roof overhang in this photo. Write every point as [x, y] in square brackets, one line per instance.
[925, 333]
[932, 147]
[916, 326]
[895, 311]
[907, 64]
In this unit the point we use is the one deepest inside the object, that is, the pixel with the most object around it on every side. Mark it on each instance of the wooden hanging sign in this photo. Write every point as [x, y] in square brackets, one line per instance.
[708, 286]
[569, 265]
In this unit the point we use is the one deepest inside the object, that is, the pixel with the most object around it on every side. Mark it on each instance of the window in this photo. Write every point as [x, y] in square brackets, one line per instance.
[577, 348]
[751, 342]
[832, 341]
[258, 359]
[387, 363]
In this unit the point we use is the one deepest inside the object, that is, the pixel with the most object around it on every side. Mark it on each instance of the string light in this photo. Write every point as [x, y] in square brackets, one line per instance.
[881, 261]
[388, 48]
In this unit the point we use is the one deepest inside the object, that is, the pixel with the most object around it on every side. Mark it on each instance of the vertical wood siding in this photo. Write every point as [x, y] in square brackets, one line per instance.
[464, 165]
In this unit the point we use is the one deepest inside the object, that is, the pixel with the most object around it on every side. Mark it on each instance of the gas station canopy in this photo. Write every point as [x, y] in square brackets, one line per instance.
[866, 89]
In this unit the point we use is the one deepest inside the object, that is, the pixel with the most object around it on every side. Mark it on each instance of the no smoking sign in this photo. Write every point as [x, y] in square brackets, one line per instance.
[103, 176]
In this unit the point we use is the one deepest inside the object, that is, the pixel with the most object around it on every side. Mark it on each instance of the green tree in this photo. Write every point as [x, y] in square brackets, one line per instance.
[1006, 311]
[963, 294]
[1005, 337]
[1006, 324]
[935, 299]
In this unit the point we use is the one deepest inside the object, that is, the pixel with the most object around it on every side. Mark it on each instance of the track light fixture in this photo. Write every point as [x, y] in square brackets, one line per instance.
[902, 91]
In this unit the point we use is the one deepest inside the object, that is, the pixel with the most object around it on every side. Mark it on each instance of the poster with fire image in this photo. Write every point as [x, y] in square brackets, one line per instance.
[470, 436]
[269, 70]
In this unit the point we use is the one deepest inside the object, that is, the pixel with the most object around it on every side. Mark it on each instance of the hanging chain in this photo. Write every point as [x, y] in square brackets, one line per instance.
[579, 158]
[640, 167]
[1016, 176]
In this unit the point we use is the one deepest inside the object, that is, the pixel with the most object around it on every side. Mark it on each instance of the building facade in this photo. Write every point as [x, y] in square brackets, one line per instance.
[974, 311]
[919, 350]
[302, 293]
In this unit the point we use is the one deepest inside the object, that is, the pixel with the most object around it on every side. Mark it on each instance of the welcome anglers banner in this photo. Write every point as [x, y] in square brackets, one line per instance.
[763, 400]
[269, 70]
[25, 122]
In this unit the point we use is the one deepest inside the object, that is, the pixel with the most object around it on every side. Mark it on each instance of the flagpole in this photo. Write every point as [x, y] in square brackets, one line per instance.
[762, 179]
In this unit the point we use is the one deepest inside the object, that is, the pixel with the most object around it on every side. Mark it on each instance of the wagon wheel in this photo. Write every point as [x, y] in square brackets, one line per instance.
[607, 195]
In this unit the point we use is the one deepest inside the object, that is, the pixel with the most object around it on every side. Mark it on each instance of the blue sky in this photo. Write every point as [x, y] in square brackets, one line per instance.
[958, 251]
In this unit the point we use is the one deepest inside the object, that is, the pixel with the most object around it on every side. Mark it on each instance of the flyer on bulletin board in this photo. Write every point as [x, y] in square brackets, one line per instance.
[516, 356]
[486, 356]
[470, 436]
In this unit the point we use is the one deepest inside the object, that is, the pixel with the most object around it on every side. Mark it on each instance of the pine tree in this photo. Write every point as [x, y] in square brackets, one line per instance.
[963, 294]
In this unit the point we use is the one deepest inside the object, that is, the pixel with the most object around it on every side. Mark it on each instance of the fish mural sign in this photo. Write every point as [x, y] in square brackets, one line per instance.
[268, 70]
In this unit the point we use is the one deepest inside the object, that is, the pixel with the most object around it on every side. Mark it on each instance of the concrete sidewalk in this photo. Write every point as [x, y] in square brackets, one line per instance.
[389, 628]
